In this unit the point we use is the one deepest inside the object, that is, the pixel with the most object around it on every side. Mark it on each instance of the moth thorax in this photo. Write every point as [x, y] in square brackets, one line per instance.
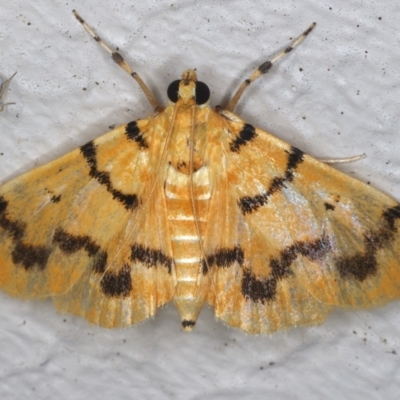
[184, 166]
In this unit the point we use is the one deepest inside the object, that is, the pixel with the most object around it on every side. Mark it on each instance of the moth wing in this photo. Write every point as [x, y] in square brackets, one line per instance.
[304, 237]
[75, 229]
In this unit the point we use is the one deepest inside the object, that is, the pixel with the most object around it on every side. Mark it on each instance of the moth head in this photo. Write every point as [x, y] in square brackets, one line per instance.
[188, 89]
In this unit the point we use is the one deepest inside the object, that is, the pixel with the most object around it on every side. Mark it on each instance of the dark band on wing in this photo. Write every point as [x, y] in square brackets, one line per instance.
[117, 284]
[150, 257]
[247, 134]
[23, 254]
[264, 289]
[361, 265]
[69, 244]
[390, 215]
[364, 264]
[29, 255]
[223, 258]
[248, 204]
[129, 201]
[14, 228]
[133, 133]
[113, 284]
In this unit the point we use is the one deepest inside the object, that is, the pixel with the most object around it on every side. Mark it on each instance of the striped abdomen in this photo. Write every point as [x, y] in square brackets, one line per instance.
[186, 244]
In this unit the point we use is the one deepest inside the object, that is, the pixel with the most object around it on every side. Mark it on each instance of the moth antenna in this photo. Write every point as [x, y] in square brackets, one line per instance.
[265, 67]
[117, 57]
[3, 89]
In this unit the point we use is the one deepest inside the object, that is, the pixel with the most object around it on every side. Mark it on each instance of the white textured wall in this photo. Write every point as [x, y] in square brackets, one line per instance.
[346, 101]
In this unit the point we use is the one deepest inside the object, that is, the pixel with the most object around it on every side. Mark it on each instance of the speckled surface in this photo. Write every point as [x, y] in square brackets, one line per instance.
[345, 100]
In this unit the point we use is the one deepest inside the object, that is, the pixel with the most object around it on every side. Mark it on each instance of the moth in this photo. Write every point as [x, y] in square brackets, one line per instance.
[196, 206]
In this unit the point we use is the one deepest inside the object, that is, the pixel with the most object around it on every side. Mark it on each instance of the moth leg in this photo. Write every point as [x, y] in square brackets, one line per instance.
[342, 160]
[265, 67]
[121, 62]
[3, 89]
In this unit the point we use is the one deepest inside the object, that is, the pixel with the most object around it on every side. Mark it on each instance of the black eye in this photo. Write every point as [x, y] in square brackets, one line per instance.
[173, 90]
[202, 93]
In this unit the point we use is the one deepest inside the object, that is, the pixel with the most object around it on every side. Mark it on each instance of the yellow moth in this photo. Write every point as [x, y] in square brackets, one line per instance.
[194, 205]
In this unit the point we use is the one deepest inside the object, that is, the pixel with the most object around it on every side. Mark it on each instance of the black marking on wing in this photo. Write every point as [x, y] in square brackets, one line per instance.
[117, 284]
[30, 255]
[390, 215]
[248, 204]
[264, 289]
[361, 265]
[56, 199]
[150, 257]
[329, 207]
[113, 284]
[223, 258]
[133, 133]
[129, 201]
[247, 134]
[26, 255]
[296, 156]
[100, 262]
[364, 264]
[14, 228]
[69, 244]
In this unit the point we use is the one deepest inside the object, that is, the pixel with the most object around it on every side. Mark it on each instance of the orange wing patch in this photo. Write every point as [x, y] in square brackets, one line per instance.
[310, 238]
[58, 231]
[197, 206]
